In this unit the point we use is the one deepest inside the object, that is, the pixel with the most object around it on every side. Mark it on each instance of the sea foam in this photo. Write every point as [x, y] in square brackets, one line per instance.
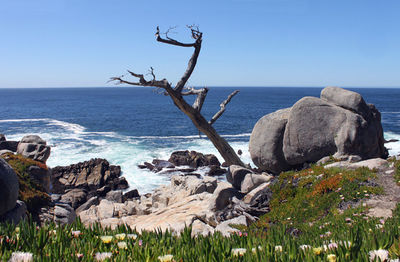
[72, 143]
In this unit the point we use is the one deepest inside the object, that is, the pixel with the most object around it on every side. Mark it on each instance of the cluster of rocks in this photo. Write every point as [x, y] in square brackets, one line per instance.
[186, 163]
[31, 147]
[77, 187]
[206, 204]
[339, 123]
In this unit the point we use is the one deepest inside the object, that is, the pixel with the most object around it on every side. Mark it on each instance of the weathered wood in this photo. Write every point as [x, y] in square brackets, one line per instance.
[176, 94]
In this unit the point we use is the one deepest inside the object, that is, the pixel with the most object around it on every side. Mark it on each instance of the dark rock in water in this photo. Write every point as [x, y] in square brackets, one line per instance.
[216, 171]
[149, 166]
[34, 147]
[9, 145]
[193, 159]
[339, 123]
[175, 170]
[89, 175]
[224, 164]
[2, 138]
[160, 164]
[142, 166]
[9, 187]
[132, 194]
[120, 183]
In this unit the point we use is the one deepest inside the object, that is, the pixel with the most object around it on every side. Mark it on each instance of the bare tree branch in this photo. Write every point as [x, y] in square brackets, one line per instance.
[201, 96]
[176, 94]
[223, 107]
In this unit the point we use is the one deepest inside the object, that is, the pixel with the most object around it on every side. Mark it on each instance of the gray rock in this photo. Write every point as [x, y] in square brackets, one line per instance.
[134, 193]
[347, 99]
[114, 196]
[91, 202]
[16, 214]
[4, 151]
[64, 214]
[252, 181]
[253, 195]
[9, 187]
[266, 142]
[40, 176]
[9, 145]
[339, 124]
[225, 228]
[74, 197]
[223, 195]
[34, 147]
[105, 209]
[236, 175]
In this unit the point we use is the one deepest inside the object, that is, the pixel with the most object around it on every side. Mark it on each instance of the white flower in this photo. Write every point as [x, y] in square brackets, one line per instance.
[131, 236]
[122, 245]
[120, 236]
[304, 247]
[278, 248]
[382, 254]
[254, 250]
[21, 257]
[238, 251]
[166, 258]
[103, 256]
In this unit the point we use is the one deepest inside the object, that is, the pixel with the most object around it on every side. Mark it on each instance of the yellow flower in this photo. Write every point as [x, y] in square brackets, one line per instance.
[166, 258]
[331, 258]
[238, 252]
[317, 250]
[106, 239]
[17, 229]
[120, 236]
[122, 245]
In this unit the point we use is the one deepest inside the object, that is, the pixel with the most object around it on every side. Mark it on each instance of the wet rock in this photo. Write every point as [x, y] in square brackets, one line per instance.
[193, 159]
[160, 164]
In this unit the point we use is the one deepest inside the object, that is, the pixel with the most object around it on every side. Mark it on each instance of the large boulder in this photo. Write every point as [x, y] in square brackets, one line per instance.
[266, 141]
[32, 146]
[339, 123]
[9, 187]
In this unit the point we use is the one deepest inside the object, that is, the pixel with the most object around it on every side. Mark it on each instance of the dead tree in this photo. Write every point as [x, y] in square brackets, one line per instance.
[179, 91]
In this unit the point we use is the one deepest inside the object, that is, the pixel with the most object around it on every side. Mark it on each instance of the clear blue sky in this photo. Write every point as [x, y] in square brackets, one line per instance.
[62, 43]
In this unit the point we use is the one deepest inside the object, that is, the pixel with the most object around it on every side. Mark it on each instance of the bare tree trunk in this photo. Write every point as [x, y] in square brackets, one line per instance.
[176, 94]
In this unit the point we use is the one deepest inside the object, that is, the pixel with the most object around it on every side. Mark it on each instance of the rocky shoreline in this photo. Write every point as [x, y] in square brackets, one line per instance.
[96, 192]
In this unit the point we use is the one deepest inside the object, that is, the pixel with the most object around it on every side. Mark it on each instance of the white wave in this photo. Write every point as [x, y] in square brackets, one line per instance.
[24, 120]
[393, 147]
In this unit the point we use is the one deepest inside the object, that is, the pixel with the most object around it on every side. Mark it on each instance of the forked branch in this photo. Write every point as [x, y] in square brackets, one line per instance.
[223, 107]
[201, 96]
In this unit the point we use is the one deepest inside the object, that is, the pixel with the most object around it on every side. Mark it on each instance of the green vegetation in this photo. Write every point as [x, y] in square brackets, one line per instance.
[314, 217]
[30, 192]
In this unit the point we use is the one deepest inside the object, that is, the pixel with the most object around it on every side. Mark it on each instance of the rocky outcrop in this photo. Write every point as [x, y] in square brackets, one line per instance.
[187, 163]
[9, 187]
[79, 186]
[7, 146]
[188, 201]
[32, 146]
[339, 123]
[90, 175]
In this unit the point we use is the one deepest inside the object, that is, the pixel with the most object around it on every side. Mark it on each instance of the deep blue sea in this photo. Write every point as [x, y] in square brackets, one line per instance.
[128, 125]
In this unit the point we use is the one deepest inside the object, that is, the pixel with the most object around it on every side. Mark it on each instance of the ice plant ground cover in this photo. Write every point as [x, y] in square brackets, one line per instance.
[314, 217]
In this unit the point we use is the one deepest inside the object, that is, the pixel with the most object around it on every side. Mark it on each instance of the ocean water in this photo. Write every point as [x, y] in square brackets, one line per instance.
[130, 125]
